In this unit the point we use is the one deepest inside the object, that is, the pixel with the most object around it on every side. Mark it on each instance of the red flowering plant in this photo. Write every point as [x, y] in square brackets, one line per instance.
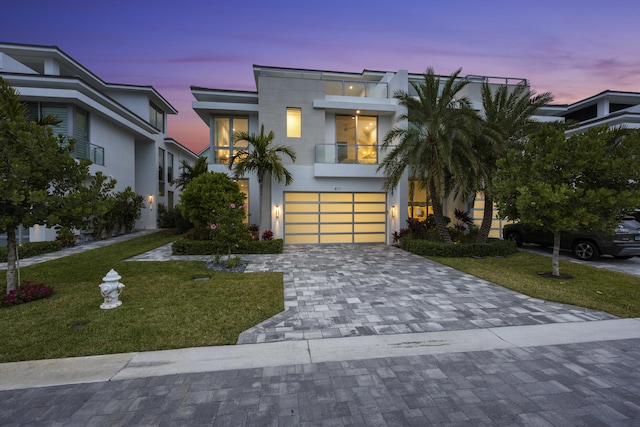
[26, 293]
[267, 235]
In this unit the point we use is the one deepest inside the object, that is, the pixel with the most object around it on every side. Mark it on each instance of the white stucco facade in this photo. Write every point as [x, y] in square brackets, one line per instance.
[126, 126]
[337, 194]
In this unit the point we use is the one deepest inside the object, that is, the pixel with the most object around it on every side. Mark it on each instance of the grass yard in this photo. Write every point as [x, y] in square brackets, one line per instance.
[590, 287]
[163, 307]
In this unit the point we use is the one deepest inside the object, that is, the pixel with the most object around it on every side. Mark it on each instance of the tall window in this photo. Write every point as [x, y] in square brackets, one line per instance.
[169, 168]
[81, 133]
[223, 130]
[156, 117]
[160, 172]
[357, 139]
[294, 122]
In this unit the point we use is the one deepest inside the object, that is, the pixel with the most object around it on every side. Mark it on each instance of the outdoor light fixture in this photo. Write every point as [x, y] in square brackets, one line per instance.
[150, 201]
[393, 211]
[277, 211]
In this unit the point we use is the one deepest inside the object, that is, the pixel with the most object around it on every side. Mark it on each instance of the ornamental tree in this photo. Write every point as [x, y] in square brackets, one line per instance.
[37, 172]
[214, 202]
[587, 181]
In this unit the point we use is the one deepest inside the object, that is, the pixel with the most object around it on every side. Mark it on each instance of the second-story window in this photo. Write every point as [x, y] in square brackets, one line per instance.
[357, 139]
[156, 117]
[169, 168]
[294, 122]
[223, 130]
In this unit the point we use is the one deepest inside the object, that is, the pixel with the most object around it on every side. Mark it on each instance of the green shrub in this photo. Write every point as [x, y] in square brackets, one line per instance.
[172, 218]
[30, 249]
[430, 248]
[209, 247]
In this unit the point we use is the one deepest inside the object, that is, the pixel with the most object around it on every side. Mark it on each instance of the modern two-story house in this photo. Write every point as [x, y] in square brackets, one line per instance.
[121, 128]
[335, 122]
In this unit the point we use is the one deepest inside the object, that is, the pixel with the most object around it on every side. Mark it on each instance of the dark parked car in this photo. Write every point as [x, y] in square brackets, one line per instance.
[624, 243]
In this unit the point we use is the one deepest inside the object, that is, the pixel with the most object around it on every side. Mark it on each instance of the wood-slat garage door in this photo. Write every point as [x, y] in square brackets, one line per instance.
[311, 218]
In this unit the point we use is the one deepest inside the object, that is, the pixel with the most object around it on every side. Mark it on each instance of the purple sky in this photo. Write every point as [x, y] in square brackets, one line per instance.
[573, 49]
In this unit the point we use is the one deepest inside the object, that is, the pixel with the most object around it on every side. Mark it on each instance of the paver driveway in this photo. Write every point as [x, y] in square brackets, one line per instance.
[347, 290]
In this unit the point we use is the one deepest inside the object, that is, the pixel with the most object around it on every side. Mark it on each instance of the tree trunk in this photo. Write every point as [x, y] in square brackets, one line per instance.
[555, 258]
[11, 259]
[441, 224]
[487, 219]
[265, 207]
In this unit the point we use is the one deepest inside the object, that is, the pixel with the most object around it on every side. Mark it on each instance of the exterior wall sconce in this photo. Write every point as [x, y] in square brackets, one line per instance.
[393, 211]
[151, 202]
[277, 211]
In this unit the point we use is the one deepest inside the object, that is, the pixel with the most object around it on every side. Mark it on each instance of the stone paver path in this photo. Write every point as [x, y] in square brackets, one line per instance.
[351, 290]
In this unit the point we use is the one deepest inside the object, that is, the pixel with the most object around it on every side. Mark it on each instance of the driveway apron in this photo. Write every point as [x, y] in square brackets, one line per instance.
[352, 290]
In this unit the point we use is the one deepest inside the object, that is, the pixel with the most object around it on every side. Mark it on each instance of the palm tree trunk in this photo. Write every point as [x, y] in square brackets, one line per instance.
[487, 218]
[11, 259]
[441, 224]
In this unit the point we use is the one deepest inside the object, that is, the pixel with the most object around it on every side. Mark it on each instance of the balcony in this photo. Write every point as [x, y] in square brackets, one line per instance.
[343, 153]
[86, 150]
[356, 88]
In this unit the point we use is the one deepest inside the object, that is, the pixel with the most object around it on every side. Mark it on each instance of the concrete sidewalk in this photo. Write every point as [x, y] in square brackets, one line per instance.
[127, 366]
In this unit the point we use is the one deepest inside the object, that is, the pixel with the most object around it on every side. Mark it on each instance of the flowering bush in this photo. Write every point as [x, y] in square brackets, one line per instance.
[27, 292]
[227, 226]
[214, 203]
[267, 235]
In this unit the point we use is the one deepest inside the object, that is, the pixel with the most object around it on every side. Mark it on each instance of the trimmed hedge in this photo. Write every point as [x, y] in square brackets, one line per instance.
[208, 247]
[30, 249]
[431, 248]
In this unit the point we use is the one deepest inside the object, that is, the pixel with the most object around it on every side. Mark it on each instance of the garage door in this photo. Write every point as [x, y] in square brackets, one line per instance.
[334, 218]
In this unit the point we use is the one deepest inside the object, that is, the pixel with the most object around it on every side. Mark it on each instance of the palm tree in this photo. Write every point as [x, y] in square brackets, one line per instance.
[190, 172]
[263, 159]
[507, 120]
[436, 145]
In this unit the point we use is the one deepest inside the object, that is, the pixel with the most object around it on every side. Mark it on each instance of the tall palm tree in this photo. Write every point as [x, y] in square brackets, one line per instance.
[435, 146]
[189, 172]
[263, 159]
[507, 120]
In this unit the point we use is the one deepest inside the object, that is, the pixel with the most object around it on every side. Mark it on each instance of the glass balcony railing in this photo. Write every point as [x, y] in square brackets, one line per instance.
[347, 153]
[356, 88]
[86, 150]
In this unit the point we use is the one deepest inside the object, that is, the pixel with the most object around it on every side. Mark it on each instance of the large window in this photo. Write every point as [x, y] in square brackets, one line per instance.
[357, 139]
[156, 117]
[223, 130]
[81, 133]
[294, 122]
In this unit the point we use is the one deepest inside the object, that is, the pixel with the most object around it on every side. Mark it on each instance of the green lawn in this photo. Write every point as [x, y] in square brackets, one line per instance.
[590, 287]
[163, 307]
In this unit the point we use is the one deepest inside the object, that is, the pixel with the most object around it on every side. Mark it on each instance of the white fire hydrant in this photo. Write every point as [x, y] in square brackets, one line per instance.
[110, 290]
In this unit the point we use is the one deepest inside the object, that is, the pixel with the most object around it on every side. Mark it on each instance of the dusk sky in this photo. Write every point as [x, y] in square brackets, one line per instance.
[573, 49]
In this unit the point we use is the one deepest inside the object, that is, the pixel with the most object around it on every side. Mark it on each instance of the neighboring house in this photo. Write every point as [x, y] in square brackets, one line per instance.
[609, 108]
[121, 128]
[335, 122]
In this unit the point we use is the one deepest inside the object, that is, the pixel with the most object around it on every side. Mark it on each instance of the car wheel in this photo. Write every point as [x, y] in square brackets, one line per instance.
[586, 250]
[515, 237]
